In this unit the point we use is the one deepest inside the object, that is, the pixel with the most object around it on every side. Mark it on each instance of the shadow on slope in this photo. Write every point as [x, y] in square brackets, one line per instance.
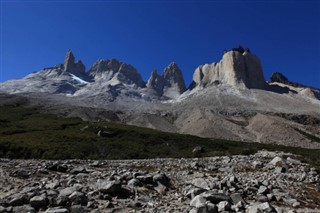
[26, 133]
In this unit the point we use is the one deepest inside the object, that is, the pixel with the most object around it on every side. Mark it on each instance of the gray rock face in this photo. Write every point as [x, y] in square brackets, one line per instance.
[174, 79]
[240, 70]
[278, 77]
[156, 82]
[114, 70]
[76, 68]
[170, 84]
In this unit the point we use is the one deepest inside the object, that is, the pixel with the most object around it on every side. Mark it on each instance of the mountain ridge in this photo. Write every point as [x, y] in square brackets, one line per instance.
[229, 99]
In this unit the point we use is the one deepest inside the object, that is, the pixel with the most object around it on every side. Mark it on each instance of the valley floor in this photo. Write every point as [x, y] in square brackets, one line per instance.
[261, 182]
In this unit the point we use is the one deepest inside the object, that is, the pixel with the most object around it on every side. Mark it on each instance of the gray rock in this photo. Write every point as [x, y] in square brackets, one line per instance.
[134, 182]
[236, 198]
[279, 169]
[21, 173]
[68, 191]
[174, 81]
[62, 201]
[194, 192]
[57, 210]
[71, 66]
[78, 198]
[241, 70]
[38, 202]
[162, 178]
[156, 82]
[197, 150]
[278, 161]
[78, 209]
[19, 200]
[198, 201]
[262, 198]
[201, 183]
[78, 170]
[266, 207]
[263, 190]
[224, 206]
[3, 209]
[108, 187]
[23, 209]
[215, 198]
[160, 188]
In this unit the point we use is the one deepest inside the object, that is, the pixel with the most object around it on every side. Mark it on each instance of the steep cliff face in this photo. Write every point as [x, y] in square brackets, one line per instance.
[76, 68]
[236, 68]
[115, 71]
[170, 84]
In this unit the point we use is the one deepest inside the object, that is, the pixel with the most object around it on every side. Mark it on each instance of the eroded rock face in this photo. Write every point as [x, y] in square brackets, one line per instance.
[71, 66]
[170, 84]
[116, 71]
[278, 77]
[306, 91]
[174, 78]
[238, 69]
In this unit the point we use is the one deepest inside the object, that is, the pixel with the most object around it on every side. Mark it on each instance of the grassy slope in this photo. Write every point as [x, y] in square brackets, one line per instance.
[26, 133]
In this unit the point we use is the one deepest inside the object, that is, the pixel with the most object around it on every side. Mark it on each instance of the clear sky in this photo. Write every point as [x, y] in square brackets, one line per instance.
[151, 34]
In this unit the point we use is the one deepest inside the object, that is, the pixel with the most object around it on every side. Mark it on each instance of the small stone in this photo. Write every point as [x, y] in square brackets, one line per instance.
[215, 198]
[78, 209]
[266, 207]
[19, 200]
[162, 178]
[263, 190]
[262, 198]
[78, 198]
[24, 209]
[201, 183]
[62, 200]
[194, 192]
[224, 206]
[57, 210]
[278, 161]
[257, 164]
[134, 182]
[108, 187]
[38, 201]
[279, 169]
[160, 188]
[68, 191]
[198, 201]
[236, 198]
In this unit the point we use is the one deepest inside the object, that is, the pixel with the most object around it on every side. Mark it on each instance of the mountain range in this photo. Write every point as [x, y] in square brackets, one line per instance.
[229, 99]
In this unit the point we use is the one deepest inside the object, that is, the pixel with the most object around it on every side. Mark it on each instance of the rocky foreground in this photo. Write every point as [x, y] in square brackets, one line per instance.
[264, 182]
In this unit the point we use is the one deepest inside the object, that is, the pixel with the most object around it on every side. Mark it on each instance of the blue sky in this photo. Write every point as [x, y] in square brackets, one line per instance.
[151, 34]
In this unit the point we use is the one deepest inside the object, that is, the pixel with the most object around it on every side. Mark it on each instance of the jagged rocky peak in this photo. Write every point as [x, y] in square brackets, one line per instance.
[102, 65]
[71, 66]
[170, 84]
[156, 83]
[173, 77]
[238, 68]
[278, 77]
[113, 69]
[303, 90]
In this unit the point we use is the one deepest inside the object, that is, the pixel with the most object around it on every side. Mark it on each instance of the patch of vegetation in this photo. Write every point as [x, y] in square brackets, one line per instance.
[26, 133]
[310, 136]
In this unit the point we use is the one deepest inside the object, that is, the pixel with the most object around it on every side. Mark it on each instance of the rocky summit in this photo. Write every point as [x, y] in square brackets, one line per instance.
[238, 68]
[263, 182]
[229, 99]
